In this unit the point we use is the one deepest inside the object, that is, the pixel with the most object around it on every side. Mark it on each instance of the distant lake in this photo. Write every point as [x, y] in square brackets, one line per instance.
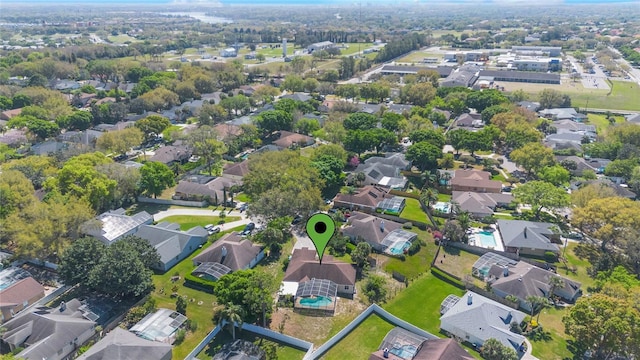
[202, 17]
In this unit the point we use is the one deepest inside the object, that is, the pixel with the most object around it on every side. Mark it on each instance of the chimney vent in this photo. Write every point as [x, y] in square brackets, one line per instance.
[470, 299]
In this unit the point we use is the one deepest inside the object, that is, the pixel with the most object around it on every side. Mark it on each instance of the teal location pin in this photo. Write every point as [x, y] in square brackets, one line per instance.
[320, 228]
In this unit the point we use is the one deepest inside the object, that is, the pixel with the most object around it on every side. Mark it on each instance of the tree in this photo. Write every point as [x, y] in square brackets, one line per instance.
[181, 305]
[541, 194]
[77, 120]
[274, 120]
[447, 161]
[476, 141]
[127, 180]
[204, 143]
[359, 141]
[382, 138]
[307, 126]
[361, 254]
[429, 196]
[120, 141]
[424, 155]
[582, 196]
[276, 234]
[293, 83]
[492, 349]
[435, 137]
[556, 175]
[78, 260]
[211, 114]
[419, 94]
[550, 98]
[155, 178]
[621, 168]
[607, 325]
[160, 99]
[330, 170]
[456, 138]
[375, 289]
[249, 289]
[453, 231]
[519, 134]
[43, 129]
[332, 150]
[533, 157]
[608, 219]
[132, 278]
[360, 121]
[152, 126]
[147, 254]
[555, 283]
[481, 100]
[231, 315]
[537, 303]
[16, 192]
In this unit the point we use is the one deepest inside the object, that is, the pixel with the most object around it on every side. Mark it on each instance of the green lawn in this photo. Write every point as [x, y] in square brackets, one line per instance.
[623, 97]
[352, 48]
[554, 344]
[362, 341]
[581, 264]
[276, 51]
[416, 264]
[199, 303]
[444, 197]
[499, 177]
[188, 221]
[242, 197]
[455, 261]
[121, 39]
[413, 211]
[600, 121]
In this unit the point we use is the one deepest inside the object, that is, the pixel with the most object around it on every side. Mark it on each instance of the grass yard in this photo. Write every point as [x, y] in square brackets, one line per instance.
[242, 197]
[418, 56]
[581, 265]
[199, 304]
[444, 197]
[188, 221]
[499, 177]
[624, 96]
[413, 265]
[600, 121]
[455, 261]
[122, 38]
[553, 345]
[352, 48]
[362, 341]
[413, 211]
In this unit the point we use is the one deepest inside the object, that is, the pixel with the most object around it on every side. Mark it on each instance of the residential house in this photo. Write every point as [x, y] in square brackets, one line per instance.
[51, 334]
[622, 191]
[480, 205]
[297, 97]
[229, 52]
[230, 253]
[120, 125]
[562, 114]
[8, 114]
[215, 190]
[572, 127]
[467, 120]
[113, 225]
[596, 165]
[304, 266]
[65, 85]
[464, 76]
[170, 154]
[365, 199]
[633, 118]
[172, 244]
[401, 344]
[49, 147]
[19, 296]
[85, 137]
[528, 237]
[384, 171]
[566, 140]
[530, 105]
[125, 345]
[523, 280]
[476, 319]
[383, 235]
[287, 139]
[236, 171]
[243, 120]
[160, 326]
[13, 137]
[471, 180]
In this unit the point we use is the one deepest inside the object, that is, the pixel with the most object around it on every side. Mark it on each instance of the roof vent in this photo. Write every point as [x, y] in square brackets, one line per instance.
[525, 232]
[505, 271]
[382, 225]
[223, 251]
[470, 299]
[63, 306]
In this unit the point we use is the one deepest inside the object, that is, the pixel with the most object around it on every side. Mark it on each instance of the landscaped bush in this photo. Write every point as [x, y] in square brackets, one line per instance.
[408, 225]
[415, 246]
[550, 256]
[198, 283]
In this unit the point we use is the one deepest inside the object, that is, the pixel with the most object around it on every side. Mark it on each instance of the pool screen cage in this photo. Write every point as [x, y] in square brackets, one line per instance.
[401, 343]
[482, 266]
[397, 236]
[448, 302]
[393, 205]
[323, 290]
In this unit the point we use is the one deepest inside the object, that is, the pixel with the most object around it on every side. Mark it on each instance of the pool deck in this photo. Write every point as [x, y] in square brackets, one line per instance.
[473, 239]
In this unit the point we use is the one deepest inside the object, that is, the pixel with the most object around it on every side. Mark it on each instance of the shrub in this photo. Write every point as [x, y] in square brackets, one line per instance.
[408, 225]
[550, 257]
[198, 283]
[285, 263]
[180, 334]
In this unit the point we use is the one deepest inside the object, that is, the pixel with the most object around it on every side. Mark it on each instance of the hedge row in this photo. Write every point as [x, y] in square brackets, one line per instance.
[199, 283]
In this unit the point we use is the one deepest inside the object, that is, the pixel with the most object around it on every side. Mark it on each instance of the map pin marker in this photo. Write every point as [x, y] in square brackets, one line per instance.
[320, 228]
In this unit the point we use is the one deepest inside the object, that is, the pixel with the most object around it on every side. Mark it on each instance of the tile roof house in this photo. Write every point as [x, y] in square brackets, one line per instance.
[527, 237]
[170, 154]
[572, 127]
[288, 139]
[19, 296]
[384, 171]
[236, 171]
[365, 199]
[476, 319]
[232, 251]
[379, 233]
[305, 266]
[523, 280]
[172, 244]
[475, 181]
[480, 205]
[51, 334]
[227, 130]
[8, 114]
[212, 189]
[124, 345]
[115, 224]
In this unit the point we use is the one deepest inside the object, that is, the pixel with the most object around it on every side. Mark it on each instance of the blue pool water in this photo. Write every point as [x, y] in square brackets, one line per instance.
[443, 207]
[399, 248]
[486, 239]
[316, 302]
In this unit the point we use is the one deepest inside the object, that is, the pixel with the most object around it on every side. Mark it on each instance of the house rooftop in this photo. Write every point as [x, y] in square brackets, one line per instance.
[368, 196]
[231, 250]
[159, 326]
[527, 234]
[524, 279]
[20, 291]
[124, 345]
[304, 265]
[116, 223]
[168, 239]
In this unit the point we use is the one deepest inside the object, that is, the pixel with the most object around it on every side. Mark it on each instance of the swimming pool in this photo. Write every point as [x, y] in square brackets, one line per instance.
[399, 247]
[443, 207]
[318, 301]
[487, 239]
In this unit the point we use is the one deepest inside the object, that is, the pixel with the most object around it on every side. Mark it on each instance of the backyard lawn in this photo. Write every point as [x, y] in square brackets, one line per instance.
[553, 344]
[413, 211]
[189, 221]
[581, 265]
[362, 341]
[600, 121]
[416, 264]
[455, 261]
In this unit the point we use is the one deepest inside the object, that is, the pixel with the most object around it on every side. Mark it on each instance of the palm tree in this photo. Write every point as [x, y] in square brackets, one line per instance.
[428, 196]
[537, 303]
[555, 283]
[464, 220]
[232, 315]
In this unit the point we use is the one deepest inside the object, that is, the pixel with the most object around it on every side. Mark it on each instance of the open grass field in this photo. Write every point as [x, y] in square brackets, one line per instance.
[418, 56]
[553, 345]
[122, 38]
[581, 265]
[352, 48]
[413, 211]
[455, 261]
[364, 340]
[199, 303]
[413, 265]
[600, 121]
[187, 221]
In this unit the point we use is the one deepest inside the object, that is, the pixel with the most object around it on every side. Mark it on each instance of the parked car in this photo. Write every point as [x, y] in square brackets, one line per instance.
[248, 229]
[208, 227]
[296, 220]
[214, 230]
[244, 207]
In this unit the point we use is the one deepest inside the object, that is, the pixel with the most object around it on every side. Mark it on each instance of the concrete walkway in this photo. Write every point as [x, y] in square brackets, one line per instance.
[527, 355]
[204, 212]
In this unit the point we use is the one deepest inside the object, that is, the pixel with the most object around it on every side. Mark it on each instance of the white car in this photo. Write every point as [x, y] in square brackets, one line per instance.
[208, 227]
[214, 230]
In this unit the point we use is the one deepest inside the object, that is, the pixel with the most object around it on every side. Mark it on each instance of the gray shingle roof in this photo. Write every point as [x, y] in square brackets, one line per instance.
[527, 234]
[478, 203]
[123, 345]
[485, 319]
[527, 280]
[168, 240]
[240, 252]
[371, 228]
